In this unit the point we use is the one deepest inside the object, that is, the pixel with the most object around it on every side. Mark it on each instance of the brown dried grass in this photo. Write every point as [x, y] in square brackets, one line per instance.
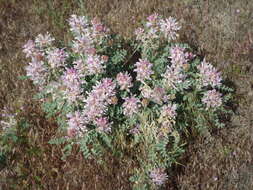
[214, 28]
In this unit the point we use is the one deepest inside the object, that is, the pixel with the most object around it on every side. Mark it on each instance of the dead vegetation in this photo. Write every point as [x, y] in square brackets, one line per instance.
[221, 30]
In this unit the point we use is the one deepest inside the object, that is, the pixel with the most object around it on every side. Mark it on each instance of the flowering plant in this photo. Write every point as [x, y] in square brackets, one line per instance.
[98, 95]
[13, 132]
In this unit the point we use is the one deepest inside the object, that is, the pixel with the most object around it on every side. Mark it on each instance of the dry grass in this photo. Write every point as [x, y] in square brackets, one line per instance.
[221, 30]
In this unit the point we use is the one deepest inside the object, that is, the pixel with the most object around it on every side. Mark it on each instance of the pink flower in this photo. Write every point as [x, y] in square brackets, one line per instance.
[91, 66]
[146, 91]
[212, 99]
[70, 77]
[76, 123]
[159, 95]
[158, 176]
[105, 89]
[98, 99]
[81, 69]
[178, 56]
[29, 48]
[108, 86]
[94, 107]
[173, 76]
[98, 27]
[131, 106]
[37, 72]
[78, 24]
[71, 81]
[44, 40]
[139, 32]
[143, 69]
[209, 75]
[169, 111]
[83, 44]
[73, 94]
[103, 124]
[152, 19]
[94, 64]
[124, 80]
[72, 132]
[146, 36]
[56, 57]
[169, 28]
[190, 55]
[85, 33]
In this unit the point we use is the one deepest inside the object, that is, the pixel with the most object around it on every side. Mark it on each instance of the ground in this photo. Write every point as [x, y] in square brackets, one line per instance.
[220, 30]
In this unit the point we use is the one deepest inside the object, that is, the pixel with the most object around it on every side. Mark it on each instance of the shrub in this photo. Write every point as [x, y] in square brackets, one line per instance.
[12, 133]
[106, 102]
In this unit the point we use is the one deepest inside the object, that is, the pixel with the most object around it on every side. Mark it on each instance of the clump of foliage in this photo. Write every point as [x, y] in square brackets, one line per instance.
[12, 133]
[104, 102]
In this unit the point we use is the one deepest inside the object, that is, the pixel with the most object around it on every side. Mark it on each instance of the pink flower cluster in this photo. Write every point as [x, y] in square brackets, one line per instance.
[157, 95]
[169, 28]
[37, 72]
[152, 20]
[173, 76]
[94, 64]
[54, 88]
[36, 69]
[29, 49]
[98, 27]
[167, 119]
[151, 31]
[174, 73]
[158, 176]
[94, 109]
[124, 80]
[82, 45]
[131, 106]
[44, 40]
[81, 69]
[212, 99]
[148, 35]
[143, 69]
[76, 124]
[56, 57]
[72, 84]
[157, 27]
[146, 91]
[98, 99]
[178, 56]
[209, 75]
[169, 111]
[103, 124]
[78, 24]
[86, 34]
[139, 33]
